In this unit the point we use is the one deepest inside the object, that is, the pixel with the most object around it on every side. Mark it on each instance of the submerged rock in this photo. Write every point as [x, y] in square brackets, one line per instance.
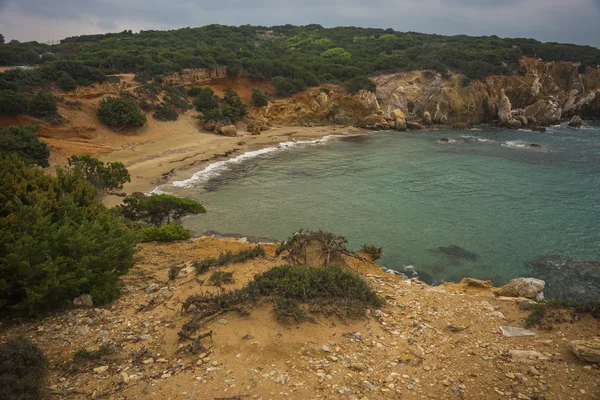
[575, 122]
[456, 253]
[530, 288]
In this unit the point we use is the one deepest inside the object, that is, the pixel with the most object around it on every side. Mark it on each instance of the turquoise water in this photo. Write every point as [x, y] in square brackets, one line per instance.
[480, 206]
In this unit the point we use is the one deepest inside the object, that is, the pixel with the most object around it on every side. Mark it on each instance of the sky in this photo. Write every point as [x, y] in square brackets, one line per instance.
[566, 21]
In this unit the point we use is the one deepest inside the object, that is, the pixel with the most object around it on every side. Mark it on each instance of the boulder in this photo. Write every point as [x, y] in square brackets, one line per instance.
[413, 125]
[530, 288]
[400, 126]
[587, 350]
[399, 120]
[515, 124]
[575, 122]
[477, 283]
[322, 99]
[210, 125]
[461, 126]
[85, 300]
[427, 118]
[228, 130]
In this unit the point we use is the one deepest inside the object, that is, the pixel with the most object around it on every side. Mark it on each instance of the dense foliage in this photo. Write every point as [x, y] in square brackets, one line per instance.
[22, 370]
[158, 209]
[104, 178]
[21, 140]
[56, 241]
[42, 104]
[259, 98]
[164, 233]
[120, 112]
[13, 103]
[305, 54]
[228, 109]
[360, 83]
[163, 112]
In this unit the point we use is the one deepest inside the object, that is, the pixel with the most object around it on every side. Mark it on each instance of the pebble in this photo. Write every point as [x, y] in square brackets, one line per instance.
[325, 348]
[101, 369]
[223, 321]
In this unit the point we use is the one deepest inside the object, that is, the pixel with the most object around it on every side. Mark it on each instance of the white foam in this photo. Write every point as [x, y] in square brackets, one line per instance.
[218, 167]
[515, 143]
[478, 139]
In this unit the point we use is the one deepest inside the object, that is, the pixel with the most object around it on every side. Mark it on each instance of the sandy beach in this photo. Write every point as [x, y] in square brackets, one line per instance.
[175, 151]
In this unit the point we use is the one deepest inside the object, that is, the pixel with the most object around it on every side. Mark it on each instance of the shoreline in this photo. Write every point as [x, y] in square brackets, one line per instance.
[185, 152]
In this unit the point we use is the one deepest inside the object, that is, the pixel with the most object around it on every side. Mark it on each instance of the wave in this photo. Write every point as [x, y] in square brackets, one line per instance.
[515, 143]
[218, 167]
[477, 139]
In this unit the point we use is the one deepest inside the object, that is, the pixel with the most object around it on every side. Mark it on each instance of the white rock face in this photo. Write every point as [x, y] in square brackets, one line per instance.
[530, 288]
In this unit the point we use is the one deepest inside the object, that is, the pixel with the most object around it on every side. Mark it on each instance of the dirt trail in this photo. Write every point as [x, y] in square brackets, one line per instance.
[425, 343]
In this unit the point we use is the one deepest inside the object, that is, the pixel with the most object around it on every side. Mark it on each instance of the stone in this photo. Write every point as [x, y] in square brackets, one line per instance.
[228, 130]
[223, 321]
[511, 331]
[504, 108]
[413, 125]
[326, 349]
[85, 300]
[475, 283]
[358, 367]
[124, 377]
[525, 354]
[427, 118]
[587, 350]
[529, 288]
[576, 122]
[101, 369]
[357, 335]
[242, 240]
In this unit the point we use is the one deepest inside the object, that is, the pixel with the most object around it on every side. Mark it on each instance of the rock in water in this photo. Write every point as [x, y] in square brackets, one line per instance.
[504, 108]
[511, 331]
[522, 287]
[85, 300]
[576, 122]
[587, 350]
[427, 118]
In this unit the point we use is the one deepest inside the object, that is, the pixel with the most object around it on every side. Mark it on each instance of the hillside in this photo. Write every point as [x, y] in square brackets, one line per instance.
[426, 342]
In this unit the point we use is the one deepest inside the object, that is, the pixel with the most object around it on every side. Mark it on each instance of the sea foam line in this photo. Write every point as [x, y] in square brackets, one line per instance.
[218, 167]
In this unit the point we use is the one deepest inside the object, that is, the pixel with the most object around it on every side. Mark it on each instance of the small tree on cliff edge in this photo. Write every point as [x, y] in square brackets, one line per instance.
[159, 208]
[120, 112]
[104, 178]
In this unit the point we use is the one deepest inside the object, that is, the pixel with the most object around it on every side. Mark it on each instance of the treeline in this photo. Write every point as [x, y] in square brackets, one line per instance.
[303, 55]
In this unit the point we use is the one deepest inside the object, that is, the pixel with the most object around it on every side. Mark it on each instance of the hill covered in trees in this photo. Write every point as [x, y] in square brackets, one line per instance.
[305, 55]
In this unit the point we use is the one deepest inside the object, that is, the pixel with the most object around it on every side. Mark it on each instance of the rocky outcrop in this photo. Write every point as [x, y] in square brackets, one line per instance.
[195, 76]
[568, 279]
[575, 122]
[504, 109]
[530, 288]
[587, 350]
[227, 130]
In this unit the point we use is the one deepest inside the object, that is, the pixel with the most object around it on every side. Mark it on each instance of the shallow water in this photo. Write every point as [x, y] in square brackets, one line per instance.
[481, 205]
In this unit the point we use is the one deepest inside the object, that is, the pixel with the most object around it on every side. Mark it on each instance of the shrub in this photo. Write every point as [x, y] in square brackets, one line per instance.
[227, 258]
[157, 209]
[288, 310]
[540, 311]
[206, 100]
[21, 140]
[163, 113]
[164, 233]
[358, 83]
[233, 108]
[374, 252]
[42, 104]
[13, 103]
[286, 86]
[66, 82]
[22, 370]
[194, 91]
[220, 278]
[120, 112]
[86, 355]
[259, 98]
[104, 178]
[58, 242]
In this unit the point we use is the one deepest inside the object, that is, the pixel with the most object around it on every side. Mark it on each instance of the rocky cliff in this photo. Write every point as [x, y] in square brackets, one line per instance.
[544, 94]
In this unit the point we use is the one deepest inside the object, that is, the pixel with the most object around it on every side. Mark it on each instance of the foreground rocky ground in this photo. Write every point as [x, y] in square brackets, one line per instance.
[425, 343]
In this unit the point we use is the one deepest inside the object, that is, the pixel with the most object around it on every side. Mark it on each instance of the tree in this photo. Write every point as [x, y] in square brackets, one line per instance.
[104, 178]
[120, 112]
[358, 83]
[194, 91]
[287, 86]
[42, 104]
[233, 108]
[66, 82]
[57, 242]
[157, 209]
[259, 98]
[163, 112]
[206, 100]
[1, 38]
[13, 103]
[21, 141]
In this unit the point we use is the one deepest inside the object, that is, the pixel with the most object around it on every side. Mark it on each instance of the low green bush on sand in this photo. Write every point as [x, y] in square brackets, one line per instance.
[164, 233]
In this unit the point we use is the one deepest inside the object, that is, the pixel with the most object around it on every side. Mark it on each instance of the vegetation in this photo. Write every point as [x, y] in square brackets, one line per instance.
[358, 83]
[259, 98]
[164, 233]
[372, 251]
[227, 110]
[542, 314]
[57, 241]
[21, 140]
[43, 104]
[331, 246]
[205, 99]
[287, 86]
[13, 103]
[22, 370]
[327, 289]
[104, 178]
[162, 112]
[194, 91]
[87, 355]
[120, 112]
[221, 278]
[158, 209]
[228, 258]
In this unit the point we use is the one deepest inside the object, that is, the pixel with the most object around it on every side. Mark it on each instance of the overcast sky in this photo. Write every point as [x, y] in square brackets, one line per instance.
[571, 21]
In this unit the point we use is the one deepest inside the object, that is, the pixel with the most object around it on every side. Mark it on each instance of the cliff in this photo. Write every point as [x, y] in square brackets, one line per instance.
[425, 342]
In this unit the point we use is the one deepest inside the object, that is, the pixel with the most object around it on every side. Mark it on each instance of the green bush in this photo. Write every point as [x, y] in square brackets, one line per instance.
[87, 355]
[287, 86]
[206, 100]
[22, 370]
[164, 233]
[57, 242]
[228, 257]
[158, 209]
[194, 91]
[42, 104]
[220, 278]
[104, 178]
[259, 98]
[120, 112]
[358, 83]
[21, 140]
[233, 108]
[164, 113]
[66, 82]
[13, 103]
